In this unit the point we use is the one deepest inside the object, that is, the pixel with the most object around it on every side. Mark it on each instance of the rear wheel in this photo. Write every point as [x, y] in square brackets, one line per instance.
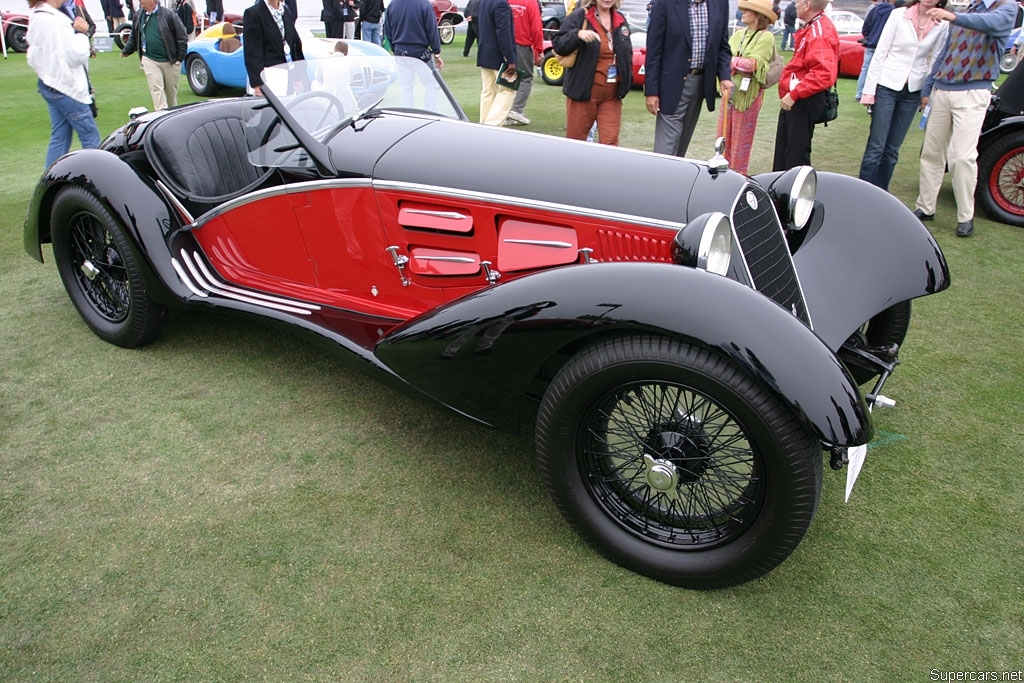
[17, 38]
[447, 31]
[550, 70]
[1001, 178]
[675, 464]
[100, 272]
[199, 77]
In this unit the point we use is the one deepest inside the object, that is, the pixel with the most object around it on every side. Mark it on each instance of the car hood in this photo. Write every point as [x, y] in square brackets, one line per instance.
[504, 163]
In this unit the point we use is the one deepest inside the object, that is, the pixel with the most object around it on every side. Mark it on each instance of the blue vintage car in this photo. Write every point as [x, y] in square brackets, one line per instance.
[210, 67]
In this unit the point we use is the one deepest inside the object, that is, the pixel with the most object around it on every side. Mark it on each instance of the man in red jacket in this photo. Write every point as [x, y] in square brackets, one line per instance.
[811, 72]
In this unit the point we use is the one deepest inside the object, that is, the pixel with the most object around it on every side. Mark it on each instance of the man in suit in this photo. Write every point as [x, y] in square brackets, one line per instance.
[333, 18]
[497, 51]
[270, 39]
[687, 50]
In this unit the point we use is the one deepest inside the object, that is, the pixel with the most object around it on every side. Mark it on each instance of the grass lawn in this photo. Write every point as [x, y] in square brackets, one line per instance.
[230, 503]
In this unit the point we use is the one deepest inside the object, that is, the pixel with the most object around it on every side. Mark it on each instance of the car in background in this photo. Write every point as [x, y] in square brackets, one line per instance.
[448, 17]
[851, 56]
[1000, 188]
[552, 72]
[846, 22]
[15, 28]
[552, 14]
[208, 68]
[123, 30]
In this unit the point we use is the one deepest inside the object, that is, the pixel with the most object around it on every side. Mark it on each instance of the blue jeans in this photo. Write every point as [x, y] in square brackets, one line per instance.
[371, 32]
[869, 52]
[787, 37]
[893, 113]
[67, 114]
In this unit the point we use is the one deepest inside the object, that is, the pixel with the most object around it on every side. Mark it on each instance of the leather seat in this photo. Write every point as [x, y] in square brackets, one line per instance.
[200, 152]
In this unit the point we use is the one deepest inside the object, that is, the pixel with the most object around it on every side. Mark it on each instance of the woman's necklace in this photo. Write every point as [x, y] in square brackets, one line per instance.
[607, 26]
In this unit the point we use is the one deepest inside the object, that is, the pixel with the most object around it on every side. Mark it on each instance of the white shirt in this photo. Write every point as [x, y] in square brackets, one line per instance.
[900, 58]
[58, 53]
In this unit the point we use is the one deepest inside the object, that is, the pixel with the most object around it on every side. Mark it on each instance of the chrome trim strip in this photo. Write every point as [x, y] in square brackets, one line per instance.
[446, 259]
[541, 243]
[186, 280]
[209, 282]
[520, 202]
[294, 188]
[169, 196]
[454, 215]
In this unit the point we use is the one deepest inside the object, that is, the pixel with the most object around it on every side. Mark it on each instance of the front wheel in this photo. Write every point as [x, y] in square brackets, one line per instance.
[100, 272]
[884, 329]
[675, 464]
[1001, 178]
[550, 70]
[447, 31]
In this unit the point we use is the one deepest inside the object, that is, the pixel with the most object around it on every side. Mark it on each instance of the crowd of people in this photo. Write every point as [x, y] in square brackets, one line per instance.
[919, 56]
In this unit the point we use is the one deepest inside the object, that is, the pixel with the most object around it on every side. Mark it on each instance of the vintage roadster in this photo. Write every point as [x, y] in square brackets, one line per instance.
[684, 341]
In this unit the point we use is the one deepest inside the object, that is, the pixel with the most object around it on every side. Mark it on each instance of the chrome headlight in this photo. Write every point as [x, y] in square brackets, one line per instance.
[705, 243]
[793, 194]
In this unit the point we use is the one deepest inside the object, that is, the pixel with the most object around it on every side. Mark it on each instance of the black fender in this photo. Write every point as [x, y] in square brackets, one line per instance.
[483, 354]
[135, 202]
[1005, 125]
[864, 252]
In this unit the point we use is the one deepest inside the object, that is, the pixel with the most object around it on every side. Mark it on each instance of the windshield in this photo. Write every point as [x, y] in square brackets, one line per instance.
[322, 96]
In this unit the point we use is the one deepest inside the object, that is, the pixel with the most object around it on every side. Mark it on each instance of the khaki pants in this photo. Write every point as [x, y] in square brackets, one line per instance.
[954, 125]
[495, 100]
[162, 78]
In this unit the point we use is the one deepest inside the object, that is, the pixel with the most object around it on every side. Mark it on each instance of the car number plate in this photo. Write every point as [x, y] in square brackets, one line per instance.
[856, 457]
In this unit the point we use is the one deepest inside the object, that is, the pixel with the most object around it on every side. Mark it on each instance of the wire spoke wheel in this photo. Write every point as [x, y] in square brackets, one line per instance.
[99, 269]
[671, 465]
[673, 462]
[1000, 190]
[100, 272]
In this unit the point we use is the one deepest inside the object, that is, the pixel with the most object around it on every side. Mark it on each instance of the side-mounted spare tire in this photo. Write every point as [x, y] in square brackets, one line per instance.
[674, 463]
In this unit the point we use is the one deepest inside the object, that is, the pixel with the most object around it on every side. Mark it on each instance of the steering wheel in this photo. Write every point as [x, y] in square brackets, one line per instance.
[294, 107]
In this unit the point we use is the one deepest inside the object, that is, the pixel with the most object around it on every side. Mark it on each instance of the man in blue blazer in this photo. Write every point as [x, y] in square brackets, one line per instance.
[687, 51]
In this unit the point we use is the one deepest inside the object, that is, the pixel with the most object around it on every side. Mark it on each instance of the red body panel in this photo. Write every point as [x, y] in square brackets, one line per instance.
[851, 56]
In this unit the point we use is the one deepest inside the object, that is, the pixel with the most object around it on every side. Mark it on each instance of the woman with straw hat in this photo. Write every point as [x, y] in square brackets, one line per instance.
[753, 48]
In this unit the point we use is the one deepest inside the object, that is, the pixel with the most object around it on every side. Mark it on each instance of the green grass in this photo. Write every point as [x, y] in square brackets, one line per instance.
[231, 503]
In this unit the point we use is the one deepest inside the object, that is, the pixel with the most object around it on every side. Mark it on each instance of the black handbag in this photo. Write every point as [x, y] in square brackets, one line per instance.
[831, 109]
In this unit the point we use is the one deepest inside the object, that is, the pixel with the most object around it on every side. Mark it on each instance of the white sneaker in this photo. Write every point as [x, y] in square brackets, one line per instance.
[518, 118]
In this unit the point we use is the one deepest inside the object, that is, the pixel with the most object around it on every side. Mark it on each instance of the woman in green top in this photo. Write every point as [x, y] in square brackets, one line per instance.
[752, 48]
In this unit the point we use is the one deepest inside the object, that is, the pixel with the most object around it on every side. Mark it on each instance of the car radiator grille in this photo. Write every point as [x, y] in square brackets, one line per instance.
[765, 251]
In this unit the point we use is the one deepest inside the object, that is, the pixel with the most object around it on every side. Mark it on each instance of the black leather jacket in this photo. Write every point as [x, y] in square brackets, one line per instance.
[580, 78]
[172, 31]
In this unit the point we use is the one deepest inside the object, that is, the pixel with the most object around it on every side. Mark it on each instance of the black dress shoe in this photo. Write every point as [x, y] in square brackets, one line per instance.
[965, 228]
[922, 216]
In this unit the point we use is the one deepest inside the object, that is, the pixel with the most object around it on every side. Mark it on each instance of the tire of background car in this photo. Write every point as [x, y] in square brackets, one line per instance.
[17, 38]
[199, 77]
[447, 31]
[1000, 172]
[100, 272]
[888, 327]
[550, 70]
[552, 25]
[674, 463]
[121, 34]
[1008, 62]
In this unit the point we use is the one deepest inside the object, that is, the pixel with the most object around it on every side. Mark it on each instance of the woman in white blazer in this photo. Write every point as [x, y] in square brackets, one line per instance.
[909, 44]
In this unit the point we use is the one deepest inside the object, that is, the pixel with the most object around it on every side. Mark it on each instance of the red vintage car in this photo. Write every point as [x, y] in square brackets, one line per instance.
[687, 350]
[552, 72]
[15, 28]
[851, 56]
[448, 17]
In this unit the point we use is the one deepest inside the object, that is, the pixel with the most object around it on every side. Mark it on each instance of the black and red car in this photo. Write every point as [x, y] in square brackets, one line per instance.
[686, 342]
